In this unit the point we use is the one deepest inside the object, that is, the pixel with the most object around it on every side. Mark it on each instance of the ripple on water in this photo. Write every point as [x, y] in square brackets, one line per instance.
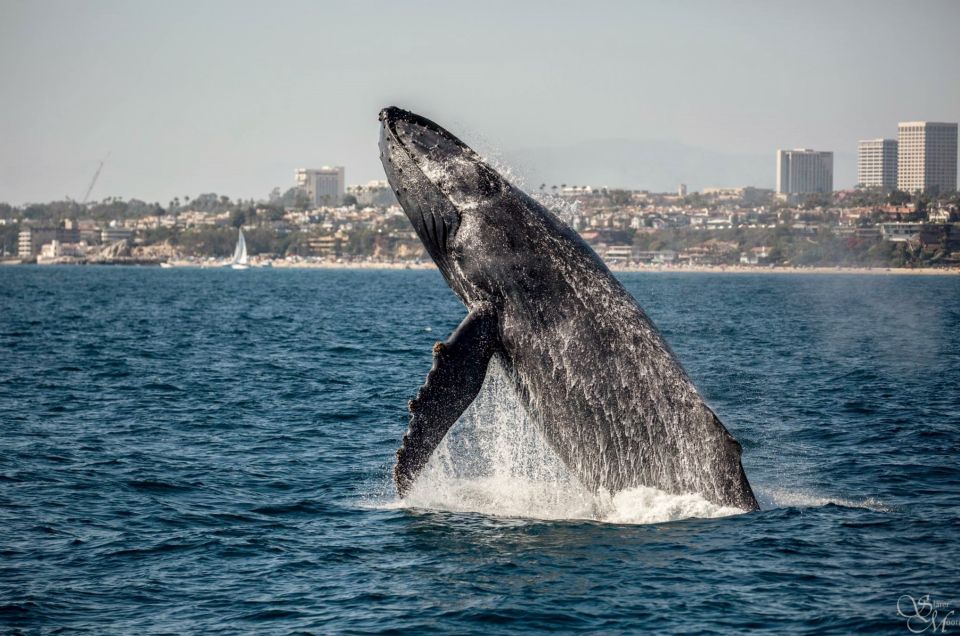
[200, 451]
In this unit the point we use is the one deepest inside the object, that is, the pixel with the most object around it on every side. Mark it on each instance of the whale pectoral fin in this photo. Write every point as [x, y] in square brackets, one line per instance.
[459, 367]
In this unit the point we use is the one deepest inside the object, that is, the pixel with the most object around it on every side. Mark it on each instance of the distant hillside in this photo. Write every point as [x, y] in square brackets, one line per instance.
[655, 165]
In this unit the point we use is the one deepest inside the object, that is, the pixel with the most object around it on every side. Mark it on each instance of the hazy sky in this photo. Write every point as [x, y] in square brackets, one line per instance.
[201, 96]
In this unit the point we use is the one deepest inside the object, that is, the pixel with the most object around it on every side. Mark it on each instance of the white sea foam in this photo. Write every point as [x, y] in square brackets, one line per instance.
[519, 497]
[495, 462]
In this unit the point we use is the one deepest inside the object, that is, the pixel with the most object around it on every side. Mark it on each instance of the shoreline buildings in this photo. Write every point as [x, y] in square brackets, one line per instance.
[877, 164]
[927, 156]
[374, 193]
[804, 171]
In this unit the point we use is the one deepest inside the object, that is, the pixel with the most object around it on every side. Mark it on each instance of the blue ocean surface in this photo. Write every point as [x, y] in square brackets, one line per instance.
[209, 451]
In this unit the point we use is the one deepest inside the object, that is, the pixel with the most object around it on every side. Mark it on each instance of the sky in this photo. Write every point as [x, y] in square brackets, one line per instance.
[185, 97]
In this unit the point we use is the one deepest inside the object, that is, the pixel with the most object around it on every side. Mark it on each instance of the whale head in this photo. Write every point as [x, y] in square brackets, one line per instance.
[444, 187]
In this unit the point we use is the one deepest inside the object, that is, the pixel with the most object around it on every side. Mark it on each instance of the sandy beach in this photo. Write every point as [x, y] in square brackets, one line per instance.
[753, 269]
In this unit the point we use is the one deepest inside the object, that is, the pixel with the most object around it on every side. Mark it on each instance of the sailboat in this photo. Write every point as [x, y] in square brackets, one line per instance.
[240, 254]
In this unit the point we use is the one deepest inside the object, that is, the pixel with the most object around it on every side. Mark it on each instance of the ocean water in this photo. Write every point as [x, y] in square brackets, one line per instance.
[208, 451]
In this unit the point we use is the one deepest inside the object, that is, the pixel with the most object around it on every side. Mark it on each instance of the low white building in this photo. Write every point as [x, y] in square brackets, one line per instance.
[756, 256]
[114, 234]
[619, 253]
[900, 232]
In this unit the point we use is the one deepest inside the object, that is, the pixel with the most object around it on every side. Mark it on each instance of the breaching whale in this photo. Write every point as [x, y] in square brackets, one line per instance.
[597, 378]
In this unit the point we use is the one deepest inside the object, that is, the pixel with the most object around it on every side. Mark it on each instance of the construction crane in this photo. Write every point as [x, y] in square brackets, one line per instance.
[93, 181]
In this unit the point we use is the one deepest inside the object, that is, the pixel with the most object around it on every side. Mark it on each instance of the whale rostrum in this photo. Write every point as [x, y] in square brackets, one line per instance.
[590, 368]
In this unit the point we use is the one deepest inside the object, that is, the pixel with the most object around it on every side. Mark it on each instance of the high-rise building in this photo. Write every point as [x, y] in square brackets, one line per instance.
[877, 163]
[25, 242]
[927, 156]
[31, 238]
[804, 171]
[324, 186]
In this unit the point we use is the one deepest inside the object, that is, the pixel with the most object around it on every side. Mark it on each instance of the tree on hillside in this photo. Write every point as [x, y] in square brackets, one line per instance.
[898, 197]
[295, 198]
[237, 218]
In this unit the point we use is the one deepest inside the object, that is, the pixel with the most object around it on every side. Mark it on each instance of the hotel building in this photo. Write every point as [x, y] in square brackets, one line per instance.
[804, 171]
[927, 156]
[877, 164]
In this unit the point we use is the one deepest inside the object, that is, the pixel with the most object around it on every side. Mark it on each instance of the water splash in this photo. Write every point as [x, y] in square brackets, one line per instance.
[494, 461]
[780, 498]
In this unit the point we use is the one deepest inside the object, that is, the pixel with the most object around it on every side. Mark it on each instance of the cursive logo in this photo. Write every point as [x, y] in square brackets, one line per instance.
[924, 614]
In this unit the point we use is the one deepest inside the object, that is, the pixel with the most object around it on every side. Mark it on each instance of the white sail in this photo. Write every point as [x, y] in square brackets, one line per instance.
[240, 254]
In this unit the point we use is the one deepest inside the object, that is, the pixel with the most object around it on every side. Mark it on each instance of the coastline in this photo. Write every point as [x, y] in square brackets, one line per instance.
[754, 269]
[617, 268]
[676, 269]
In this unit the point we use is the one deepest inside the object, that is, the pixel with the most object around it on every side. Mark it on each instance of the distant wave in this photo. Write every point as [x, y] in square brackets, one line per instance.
[777, 498]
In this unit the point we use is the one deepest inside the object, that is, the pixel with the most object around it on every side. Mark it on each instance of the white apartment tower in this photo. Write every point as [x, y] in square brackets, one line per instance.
[877, 164]
[927, 156]
[804, 171]
[324, 186]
